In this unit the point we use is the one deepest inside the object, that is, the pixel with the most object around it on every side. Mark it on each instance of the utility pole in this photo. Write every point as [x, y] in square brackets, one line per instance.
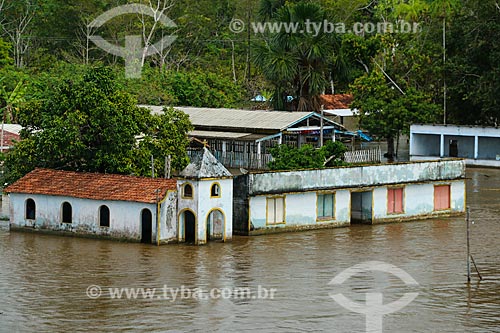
[321, 126]
[445, 88]
[152, 166]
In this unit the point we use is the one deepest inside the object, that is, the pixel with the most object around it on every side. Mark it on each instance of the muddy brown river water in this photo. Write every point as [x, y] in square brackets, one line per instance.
[44, 279]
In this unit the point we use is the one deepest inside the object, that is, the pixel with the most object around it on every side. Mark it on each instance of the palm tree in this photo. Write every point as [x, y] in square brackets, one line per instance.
[268, 8]
[298, 62]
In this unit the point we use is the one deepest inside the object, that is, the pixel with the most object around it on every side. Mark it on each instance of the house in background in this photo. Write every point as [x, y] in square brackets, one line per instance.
[10, 133]
[243, 138]
[326, 198]
[205, 203]
[338, 108]
[480, 146]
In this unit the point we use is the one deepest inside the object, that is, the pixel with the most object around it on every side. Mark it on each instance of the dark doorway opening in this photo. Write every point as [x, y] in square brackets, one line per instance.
[453, 148]
[189, 227]
[146, 226]
[361, 207]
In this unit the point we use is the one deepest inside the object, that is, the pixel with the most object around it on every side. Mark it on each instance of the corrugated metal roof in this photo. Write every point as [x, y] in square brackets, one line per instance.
[12, 128]
[218, 135]
[342, 112]
[235, 118]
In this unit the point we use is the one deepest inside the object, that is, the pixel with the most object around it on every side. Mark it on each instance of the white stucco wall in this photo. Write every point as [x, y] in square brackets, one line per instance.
[186, 204]
[300, 211]
[207, 204]
[301, 208]
[203, 204]
[125, 217]
[418, 200]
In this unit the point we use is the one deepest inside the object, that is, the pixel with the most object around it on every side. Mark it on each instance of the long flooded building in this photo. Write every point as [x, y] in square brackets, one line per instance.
[325, 198]
[205, 203]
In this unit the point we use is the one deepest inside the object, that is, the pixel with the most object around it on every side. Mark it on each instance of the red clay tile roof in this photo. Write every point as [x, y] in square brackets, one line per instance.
[93, 186]
[337, 102]
[9, 138]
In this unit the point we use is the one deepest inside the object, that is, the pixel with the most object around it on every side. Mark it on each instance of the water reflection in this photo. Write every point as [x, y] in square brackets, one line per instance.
[43, 278]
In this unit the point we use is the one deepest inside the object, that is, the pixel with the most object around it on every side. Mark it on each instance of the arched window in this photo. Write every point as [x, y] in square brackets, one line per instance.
[215, 191]
[104, 216]
[67, 213]
[187, 191]
[30, 212]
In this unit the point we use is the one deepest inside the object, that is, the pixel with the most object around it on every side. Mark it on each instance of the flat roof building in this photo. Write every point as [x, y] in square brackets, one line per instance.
[479, 145]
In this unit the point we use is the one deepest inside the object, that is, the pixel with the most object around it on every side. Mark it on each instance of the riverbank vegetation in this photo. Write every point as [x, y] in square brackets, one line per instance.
[444, 71]
[308, 157]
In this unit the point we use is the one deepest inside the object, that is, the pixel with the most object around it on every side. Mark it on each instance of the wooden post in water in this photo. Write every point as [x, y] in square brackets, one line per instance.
[468, 244]
[469, 256]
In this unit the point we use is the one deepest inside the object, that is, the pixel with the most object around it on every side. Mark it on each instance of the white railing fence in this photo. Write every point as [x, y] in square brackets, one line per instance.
[364, 156]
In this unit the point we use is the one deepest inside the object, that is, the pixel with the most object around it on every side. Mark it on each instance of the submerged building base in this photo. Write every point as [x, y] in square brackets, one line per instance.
[330, 198]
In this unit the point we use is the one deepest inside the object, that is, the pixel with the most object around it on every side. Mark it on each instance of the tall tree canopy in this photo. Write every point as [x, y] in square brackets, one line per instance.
[208, 65]
[88, 124]
[387, 112]
[297, 62]
[473, 67]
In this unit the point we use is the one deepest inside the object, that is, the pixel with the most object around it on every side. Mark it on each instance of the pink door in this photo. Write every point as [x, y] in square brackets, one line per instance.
[441, 197]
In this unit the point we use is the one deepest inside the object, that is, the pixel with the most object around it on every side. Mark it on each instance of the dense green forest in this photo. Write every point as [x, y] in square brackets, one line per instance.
[209, 65]
[447, 70]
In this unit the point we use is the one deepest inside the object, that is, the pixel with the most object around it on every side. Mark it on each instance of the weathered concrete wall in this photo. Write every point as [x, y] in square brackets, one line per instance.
[125, 217]
[301, 188]
[366, 176]
[240, 205]
[168, 222]
[301, 208]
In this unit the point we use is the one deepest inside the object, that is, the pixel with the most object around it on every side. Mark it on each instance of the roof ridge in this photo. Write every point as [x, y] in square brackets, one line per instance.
[96, 186]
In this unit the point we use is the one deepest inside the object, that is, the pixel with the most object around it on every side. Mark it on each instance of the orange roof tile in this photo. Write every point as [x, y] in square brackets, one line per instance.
[93, 186]
[337, 102]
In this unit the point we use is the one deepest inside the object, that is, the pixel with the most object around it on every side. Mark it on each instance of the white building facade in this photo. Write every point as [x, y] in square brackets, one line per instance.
[95, 205]
[205, 205]
[326, 198]
[480, 146]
